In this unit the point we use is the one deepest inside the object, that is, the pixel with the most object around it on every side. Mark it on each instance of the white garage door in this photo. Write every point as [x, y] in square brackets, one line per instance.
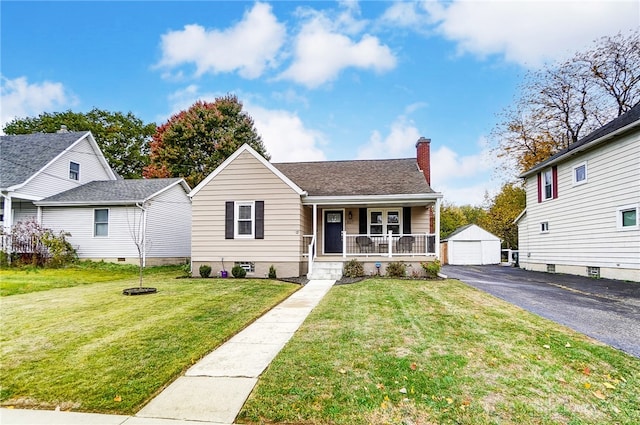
[466, 252]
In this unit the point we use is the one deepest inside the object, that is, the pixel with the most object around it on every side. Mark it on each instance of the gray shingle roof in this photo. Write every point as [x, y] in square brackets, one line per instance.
[23, 155]
[110, 191]
[629, 117]
[360, 177]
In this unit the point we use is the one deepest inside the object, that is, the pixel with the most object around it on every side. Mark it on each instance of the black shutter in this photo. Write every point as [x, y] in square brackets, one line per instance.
[228, 220]
[362, 221]
[259, 219]
[406, 220]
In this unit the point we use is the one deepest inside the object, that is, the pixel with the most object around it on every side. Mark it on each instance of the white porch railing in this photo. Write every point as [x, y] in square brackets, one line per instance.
[309, 241]
[389, 245]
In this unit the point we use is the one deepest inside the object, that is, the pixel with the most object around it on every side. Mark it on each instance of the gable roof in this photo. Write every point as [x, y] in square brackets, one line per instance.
[607, 132]
[260, 158]
[113, 192]
[22, 156]
[478, 230]
[357, 178]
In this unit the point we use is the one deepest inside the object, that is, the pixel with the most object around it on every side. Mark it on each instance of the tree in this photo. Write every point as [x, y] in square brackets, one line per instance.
[453, 217]
[123, 138]
[503, 210]
[192, 143]
[564, 102]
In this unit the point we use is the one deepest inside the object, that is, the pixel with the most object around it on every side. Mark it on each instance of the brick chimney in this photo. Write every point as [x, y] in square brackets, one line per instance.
[423, 156]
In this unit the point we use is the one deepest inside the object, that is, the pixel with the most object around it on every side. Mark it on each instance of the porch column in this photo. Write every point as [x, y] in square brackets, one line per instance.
[315, 230]
[437, 229]
[8, 216]
[39, 215]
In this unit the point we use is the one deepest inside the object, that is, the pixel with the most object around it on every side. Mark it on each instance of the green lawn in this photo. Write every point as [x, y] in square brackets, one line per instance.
[90, 348]
[440, 352]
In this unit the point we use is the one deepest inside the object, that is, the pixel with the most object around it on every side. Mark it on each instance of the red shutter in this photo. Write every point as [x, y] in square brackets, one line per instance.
[539, 187]
[554, 177]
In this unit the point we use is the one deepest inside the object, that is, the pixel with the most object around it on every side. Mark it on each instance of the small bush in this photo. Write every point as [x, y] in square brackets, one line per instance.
[353, 268]
[238, 271]
[272, 272]
[205, 270]
[431, 268]
[186, 269]
[396, 269]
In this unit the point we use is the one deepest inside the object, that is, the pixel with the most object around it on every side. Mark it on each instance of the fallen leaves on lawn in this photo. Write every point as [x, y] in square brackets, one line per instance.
[117, 398]
[599, 395]
[413, 366]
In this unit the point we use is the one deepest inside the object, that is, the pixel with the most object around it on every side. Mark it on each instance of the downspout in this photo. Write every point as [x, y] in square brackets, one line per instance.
[437, 229]
[143, 234]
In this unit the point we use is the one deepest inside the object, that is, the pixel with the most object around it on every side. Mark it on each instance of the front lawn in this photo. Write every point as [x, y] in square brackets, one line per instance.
[440, 352]
[90, 348]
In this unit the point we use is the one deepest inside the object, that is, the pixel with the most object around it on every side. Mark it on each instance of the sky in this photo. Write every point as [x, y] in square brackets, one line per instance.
[322, 80]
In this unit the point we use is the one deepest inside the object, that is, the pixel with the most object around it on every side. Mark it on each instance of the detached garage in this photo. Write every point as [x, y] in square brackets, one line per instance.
[471, 245]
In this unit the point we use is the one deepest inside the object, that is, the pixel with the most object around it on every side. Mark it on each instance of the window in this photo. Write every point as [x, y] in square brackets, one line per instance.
[580, 174]
[101, 222]
[248, 266]
[544, 227]
[74, 171]
[244, 219]
[383, 221]
[627, 217]
[548, 184]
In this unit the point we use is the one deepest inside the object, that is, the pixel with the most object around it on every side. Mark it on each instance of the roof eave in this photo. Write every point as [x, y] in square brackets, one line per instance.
[580, 149]
[87, 203]
[411, 199]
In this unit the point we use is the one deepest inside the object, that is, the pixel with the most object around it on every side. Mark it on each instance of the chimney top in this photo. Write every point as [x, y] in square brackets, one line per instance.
[422, 140]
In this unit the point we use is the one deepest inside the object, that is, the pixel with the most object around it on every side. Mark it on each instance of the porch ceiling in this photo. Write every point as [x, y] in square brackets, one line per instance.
[421, 199]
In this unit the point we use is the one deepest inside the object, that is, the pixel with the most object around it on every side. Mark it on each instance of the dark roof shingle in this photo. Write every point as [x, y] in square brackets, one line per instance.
[110, 191]
[23, 155]
[359, 177]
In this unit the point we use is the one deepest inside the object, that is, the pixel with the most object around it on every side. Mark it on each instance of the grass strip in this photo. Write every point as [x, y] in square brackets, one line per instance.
[439, 352]
[90, 348]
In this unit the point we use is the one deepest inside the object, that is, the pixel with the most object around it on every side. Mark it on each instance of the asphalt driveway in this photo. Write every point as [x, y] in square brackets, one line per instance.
[606, 310]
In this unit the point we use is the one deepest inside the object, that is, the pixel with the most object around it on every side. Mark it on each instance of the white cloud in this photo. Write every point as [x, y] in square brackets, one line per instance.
[249, 47]
[526, 32]
[321, 52]
[19, 98]
[285, 136]
[399, 143]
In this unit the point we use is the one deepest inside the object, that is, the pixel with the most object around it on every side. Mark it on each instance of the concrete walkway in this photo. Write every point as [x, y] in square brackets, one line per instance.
[213, 390]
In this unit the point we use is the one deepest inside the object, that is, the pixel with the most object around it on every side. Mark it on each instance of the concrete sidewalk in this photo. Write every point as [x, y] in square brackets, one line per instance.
[213, 390]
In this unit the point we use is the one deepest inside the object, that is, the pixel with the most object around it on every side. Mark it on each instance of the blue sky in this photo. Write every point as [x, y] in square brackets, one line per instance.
[322, 80]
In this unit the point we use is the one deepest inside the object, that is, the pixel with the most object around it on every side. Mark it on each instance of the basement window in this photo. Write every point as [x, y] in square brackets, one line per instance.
[248, 266]
[593, 272]
[551, 268]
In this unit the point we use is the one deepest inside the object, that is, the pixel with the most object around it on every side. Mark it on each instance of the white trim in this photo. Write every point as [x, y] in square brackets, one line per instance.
[225, 164]
[385, 220]
[401, 199]
[94, 222]
[544, 184]
[622, 209]
[573, 173]
[544, 227]
[182, 182]
[236, 219]
[517, 219]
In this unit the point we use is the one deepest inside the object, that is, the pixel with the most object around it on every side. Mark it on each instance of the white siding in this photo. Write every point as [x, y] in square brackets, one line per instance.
[582, 220]
[55, 178]
[247, 179]
[169, 224]
[23, 211]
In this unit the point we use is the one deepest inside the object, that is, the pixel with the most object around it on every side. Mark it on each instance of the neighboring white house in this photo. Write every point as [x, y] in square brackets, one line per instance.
[63, 181]
[110, 220]
[583, 205]
[471, 245]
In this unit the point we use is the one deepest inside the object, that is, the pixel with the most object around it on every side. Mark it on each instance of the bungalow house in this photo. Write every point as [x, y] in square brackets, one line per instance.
[583, 205]
[301, 217]
[62, 181]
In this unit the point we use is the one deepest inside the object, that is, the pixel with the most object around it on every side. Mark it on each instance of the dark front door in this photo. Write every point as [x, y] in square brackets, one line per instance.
[333, 232]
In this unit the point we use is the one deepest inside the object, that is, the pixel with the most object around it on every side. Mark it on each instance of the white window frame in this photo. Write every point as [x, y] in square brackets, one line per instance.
[237, 220]
[385, 220]
[574, 170]
[621, 210]
[95, 233]
[544, 227]
[546, 183]
[77, 174]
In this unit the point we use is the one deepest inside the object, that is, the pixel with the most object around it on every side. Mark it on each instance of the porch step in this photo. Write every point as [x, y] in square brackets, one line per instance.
[326, 270]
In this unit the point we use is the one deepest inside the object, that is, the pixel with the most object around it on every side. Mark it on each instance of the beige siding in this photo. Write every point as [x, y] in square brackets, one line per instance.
[55, 178]
[582, 220]
[169, 224]
[246, 179]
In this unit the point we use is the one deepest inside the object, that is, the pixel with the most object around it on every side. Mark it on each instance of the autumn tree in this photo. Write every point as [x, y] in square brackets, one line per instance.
[503, 209]
[453, 217]
[192, 143]
[123, 138]
[563, 102]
